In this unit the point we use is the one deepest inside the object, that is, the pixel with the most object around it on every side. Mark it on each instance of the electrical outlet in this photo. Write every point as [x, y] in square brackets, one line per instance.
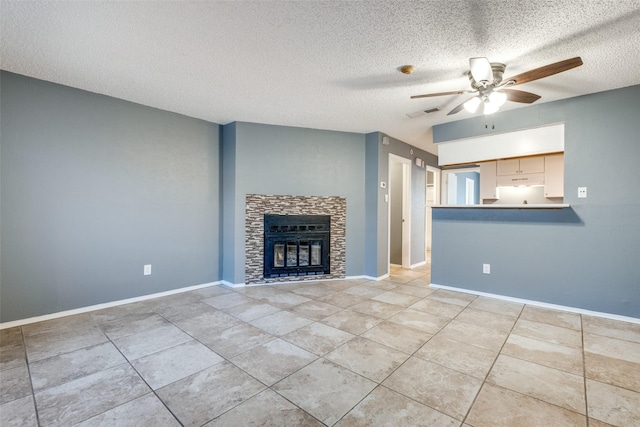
[582, 192]
[486, 268]
[147, 269]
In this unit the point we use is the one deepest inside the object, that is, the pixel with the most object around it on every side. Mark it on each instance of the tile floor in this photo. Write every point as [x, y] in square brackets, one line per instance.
[345, 353]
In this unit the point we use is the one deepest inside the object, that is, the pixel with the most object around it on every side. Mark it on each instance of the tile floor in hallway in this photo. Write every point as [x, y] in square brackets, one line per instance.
[347, 353]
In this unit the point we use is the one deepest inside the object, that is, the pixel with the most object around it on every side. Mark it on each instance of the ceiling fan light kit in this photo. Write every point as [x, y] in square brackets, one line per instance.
[486, 80]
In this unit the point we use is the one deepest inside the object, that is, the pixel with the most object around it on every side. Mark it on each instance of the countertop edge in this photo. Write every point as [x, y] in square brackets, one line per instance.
[505, 206]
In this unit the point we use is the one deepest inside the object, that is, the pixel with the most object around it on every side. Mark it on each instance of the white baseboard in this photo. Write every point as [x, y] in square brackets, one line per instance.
[81, 310]
[420, 264]
[232, 285]
[540, 304]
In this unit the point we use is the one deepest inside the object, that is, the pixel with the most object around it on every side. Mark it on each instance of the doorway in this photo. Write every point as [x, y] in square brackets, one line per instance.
[432, 198]
[461, 186]
[399, 211]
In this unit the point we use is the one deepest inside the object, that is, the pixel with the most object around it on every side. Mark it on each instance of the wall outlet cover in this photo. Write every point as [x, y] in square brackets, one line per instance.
[486, 268]
[147, 269]
[582, 192]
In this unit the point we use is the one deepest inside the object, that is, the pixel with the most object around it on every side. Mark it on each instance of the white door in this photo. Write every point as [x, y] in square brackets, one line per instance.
[403, 196]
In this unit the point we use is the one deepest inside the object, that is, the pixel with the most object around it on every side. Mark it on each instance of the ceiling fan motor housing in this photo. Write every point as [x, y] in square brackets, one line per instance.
[497, 69]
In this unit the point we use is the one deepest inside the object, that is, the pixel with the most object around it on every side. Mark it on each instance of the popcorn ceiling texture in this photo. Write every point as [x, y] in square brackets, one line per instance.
[258, 205]
[318, 64]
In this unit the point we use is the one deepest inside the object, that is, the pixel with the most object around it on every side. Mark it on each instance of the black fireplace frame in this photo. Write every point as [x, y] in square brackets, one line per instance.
[287, 229]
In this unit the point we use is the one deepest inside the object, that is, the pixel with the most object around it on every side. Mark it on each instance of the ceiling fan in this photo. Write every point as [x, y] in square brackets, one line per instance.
[490, 88]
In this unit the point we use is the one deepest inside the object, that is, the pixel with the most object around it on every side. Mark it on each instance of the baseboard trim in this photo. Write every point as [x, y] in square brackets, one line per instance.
[420, 264]
[540, 304]
[81, 310]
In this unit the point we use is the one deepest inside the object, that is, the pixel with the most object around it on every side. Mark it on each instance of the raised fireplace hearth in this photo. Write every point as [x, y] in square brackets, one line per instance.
[296, 245]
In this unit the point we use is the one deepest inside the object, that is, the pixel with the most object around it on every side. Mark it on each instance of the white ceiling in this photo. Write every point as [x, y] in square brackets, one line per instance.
[317, 64]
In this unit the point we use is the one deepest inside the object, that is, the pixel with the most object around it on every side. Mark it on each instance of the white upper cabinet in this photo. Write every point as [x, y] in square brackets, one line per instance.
[522, 165]
[554, 175]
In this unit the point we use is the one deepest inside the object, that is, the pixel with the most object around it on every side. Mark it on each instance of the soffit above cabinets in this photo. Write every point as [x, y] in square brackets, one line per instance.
[528, 142]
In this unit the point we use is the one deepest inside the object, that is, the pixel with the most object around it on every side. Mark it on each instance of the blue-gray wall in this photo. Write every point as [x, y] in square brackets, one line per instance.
[93, 188]
[292, 161]
[461, 191]
[587, 256]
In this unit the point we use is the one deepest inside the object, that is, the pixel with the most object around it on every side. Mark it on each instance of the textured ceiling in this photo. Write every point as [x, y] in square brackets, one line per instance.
[317, 64]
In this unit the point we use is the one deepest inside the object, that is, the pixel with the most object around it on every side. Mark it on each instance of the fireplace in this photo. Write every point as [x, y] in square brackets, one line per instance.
[296, 245]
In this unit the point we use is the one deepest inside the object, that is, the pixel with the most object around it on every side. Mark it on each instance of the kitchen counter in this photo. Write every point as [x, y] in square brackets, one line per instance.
[505, 206]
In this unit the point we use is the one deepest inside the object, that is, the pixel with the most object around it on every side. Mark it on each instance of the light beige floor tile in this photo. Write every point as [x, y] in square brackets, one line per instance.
[228, 300]
[352, 321]
[251, 310]
[51, 344]
[549, 333]
[77, 400]
[62, 325]
[236, 340]
[451, 297]
[550, 385]
[613, 405]
[313, 291]
[552, 317]
[208, 394]
[318, 338]
[397, 336]
[182, 309]
[15, 384]
[611, 328]
[612, 347]
[397, 298]
[259, 292]
[493, 305]
[206, 323]
[285, 299]
[367, 358]
[379, 309]
[444, 389]
[416, 291]
[272, 361]
[384, 407]
[597, 423]
[340, 285]
[612, 371]
[343, 299]
[426, 322]
[556, 356]
[151, 341]
[281, 323]
[498, 322]
[110, 314]
[265, 409]
[146, 410]
[325, 390]
[438, 308]
[175, 363]
[19, 413]
[385, 285]
[12, 350]
[499, 407]
[316, 310]
[211, 291]
[420, 281]
[73, 365]
[468, 359]
[398, 278]
[474, 334]
[364, 291]
[132, 324]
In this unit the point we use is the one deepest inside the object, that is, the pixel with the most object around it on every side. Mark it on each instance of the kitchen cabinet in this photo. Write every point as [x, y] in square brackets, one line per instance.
[523, 165]
[554, 175]
[488, 184]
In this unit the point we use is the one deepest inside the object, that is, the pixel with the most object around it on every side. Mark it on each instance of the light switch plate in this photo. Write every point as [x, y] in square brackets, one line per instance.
[486, 268]
[582, 192]
[147, 269]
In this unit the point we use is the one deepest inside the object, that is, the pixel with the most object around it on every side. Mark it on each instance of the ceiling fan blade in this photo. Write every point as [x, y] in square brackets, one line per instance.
[428, 95]
[520, 96]
[480, 69]
[458, 108]
[547, 70]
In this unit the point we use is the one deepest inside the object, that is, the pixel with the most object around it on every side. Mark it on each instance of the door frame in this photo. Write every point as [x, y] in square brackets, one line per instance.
[444, 182]
[428, 211]
[406, 210]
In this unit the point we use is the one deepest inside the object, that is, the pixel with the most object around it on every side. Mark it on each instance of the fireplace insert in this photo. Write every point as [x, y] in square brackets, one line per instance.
[296, 245]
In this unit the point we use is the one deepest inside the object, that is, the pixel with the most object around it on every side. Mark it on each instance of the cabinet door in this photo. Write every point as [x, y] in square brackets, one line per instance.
[554, 175]
[532, 164]
[488, 188]
[508, 167]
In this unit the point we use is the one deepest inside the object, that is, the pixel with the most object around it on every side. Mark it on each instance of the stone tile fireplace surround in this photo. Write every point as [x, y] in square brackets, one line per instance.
[258, 205]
